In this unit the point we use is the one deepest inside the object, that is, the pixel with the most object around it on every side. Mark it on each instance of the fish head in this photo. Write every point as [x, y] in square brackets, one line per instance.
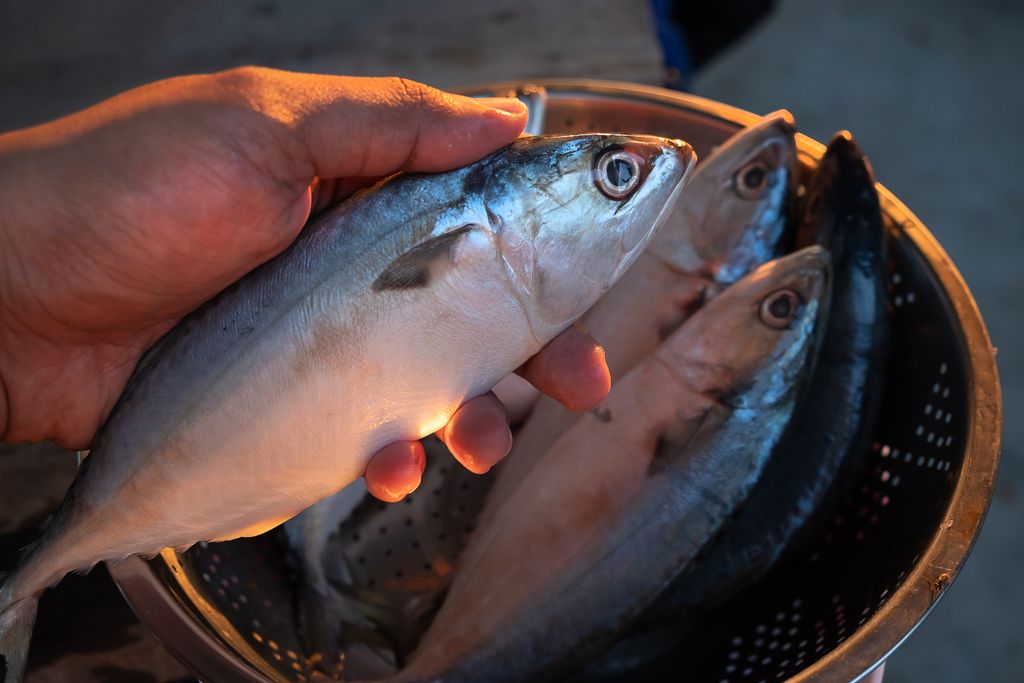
[571, 213]
[733, 214]
[748, 347]
[843, 183]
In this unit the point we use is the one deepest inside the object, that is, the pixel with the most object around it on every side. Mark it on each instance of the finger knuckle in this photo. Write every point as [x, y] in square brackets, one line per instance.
[245, 78]
[416, 94]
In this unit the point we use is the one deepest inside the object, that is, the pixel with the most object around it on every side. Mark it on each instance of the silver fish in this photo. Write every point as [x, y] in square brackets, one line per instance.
[384, 315]
[737, 206]
[566, 565]
[732, 218]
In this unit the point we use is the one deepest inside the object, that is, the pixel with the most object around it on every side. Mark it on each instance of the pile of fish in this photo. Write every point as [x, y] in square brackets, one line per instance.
[387, 313]
[748, 344]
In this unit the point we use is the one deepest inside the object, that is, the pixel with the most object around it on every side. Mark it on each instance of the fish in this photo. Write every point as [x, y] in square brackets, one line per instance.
[563, 567]
[734, 215]
[831, 426]
[384, 315]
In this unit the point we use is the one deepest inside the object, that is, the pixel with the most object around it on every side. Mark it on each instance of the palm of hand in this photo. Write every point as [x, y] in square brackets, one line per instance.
[189, 208]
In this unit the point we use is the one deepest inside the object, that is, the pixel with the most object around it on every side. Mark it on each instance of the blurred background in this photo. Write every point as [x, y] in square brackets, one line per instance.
[929, 88]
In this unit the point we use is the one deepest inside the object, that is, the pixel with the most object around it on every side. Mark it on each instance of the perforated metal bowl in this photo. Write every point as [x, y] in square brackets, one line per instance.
[887, 551]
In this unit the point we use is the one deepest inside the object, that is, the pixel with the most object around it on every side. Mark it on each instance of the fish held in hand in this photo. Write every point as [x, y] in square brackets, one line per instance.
[386, 314]
[563, 567]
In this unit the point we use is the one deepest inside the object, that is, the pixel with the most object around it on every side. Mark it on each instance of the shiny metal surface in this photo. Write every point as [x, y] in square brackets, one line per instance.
[885, 552]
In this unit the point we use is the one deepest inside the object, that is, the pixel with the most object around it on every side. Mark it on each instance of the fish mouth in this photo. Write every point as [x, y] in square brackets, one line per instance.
[783, 119]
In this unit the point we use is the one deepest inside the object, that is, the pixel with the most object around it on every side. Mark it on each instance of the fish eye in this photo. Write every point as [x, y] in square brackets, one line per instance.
[780, 308]
[752, 180]
[617, 174]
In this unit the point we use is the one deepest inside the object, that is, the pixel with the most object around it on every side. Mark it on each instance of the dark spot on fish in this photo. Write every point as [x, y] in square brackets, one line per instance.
[665, 451]
[248, 329]
[412, 269]
[674, 441]
[602, 414]
[475, 181]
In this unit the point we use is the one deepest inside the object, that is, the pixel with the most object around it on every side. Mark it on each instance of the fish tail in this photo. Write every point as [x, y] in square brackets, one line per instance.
[17, 618]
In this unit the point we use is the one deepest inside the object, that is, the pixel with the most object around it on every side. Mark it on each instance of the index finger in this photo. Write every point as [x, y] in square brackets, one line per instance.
[571, 369]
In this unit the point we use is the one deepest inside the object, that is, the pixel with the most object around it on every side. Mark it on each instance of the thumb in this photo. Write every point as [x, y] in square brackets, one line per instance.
[371, 127]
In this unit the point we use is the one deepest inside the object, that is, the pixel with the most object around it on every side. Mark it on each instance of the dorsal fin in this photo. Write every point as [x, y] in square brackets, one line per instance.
[413, 268]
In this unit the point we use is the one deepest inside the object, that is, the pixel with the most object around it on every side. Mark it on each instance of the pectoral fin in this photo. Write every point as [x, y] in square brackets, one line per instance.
[416, 267]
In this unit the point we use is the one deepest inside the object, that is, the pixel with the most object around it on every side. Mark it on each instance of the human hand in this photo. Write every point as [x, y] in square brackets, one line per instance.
[120, 219]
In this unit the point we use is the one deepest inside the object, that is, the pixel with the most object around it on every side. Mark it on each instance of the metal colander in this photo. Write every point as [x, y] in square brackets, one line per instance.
[881, 553]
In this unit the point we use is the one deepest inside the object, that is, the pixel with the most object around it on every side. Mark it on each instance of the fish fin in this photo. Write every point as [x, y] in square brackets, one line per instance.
[520, 258]
[412, 269]
[16, 622]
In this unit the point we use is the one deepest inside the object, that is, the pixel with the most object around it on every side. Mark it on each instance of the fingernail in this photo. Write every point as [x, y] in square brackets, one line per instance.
[508, 105]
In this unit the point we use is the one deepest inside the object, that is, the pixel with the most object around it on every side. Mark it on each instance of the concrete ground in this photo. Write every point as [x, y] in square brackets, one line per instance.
[931, 89]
